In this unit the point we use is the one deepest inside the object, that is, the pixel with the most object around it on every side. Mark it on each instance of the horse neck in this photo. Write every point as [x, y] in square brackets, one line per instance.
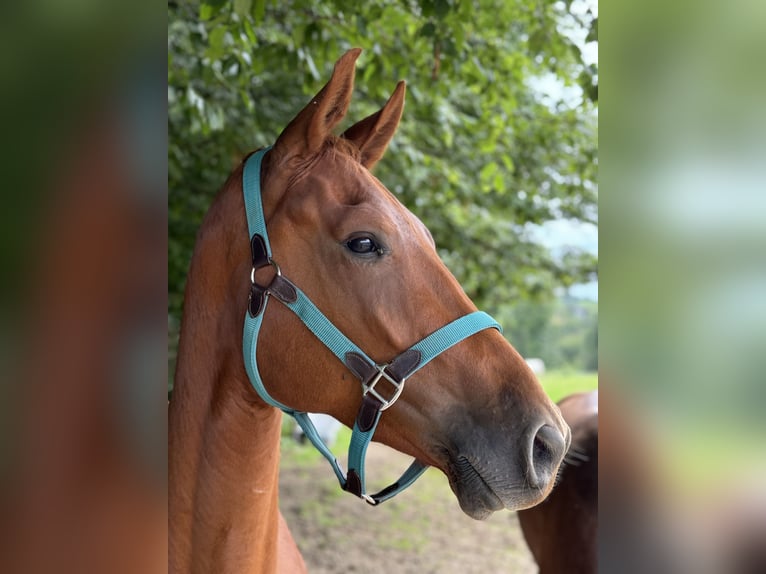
[223, 442]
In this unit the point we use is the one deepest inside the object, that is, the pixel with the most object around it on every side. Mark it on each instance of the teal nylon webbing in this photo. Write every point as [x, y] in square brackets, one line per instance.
[251, 187]
[452, 333]
[323, 328]
[357, 449]
[311, 433]
[250, 341]
[410, 475]
[250, 346]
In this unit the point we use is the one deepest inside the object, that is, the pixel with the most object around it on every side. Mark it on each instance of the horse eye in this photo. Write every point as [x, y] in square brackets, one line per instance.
[363, 245]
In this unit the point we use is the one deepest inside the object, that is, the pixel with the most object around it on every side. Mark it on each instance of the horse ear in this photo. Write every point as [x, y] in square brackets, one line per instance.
[372, 134]
[306, 133]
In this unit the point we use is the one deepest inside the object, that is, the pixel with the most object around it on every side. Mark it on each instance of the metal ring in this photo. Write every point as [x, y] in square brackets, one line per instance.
[277, 270]
[271, 262]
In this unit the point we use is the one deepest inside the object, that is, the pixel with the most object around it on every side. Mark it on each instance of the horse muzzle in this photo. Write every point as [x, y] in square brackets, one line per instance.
[490, 475]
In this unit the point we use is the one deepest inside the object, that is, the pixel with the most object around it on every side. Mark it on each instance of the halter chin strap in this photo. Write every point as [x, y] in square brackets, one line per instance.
[381, 384]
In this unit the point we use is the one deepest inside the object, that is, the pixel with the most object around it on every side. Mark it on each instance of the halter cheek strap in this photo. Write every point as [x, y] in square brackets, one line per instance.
[381, 384]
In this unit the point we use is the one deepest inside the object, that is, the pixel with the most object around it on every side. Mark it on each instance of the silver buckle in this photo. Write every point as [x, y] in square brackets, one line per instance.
[370, 388]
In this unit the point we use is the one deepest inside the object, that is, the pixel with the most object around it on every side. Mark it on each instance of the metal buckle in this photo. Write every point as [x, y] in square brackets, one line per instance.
[370, 388]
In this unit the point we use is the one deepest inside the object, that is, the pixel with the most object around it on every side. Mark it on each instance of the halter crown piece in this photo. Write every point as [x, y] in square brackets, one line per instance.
[381, 384]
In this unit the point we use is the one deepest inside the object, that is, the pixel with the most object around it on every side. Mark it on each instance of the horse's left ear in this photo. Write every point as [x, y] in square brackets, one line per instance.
[372, 134]
[306, 133]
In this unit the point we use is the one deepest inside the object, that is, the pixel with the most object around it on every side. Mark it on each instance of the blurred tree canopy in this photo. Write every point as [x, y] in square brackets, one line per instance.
[483, 149]
[563, 331]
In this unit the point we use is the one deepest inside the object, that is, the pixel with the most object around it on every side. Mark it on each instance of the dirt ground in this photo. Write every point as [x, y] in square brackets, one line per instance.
[421, 530]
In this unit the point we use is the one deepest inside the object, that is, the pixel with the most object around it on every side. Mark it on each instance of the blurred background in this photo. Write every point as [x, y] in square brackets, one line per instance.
[83, 260]
[683, 278]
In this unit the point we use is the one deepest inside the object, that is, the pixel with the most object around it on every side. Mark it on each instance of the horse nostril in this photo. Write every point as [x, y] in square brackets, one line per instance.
[548, 447]
[541, 454]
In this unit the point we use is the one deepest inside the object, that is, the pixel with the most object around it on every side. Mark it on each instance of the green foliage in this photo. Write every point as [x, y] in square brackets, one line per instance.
[480, 154]
[562, 331]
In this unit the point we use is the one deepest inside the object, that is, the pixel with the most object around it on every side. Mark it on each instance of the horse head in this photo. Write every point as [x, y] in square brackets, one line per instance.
[476, 411]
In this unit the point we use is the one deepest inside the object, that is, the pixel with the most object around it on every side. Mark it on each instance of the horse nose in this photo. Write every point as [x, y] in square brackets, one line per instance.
[546, 449]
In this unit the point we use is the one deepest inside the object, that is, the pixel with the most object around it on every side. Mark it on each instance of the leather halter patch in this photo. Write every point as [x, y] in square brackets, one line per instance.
[279, 286]
[258, 252]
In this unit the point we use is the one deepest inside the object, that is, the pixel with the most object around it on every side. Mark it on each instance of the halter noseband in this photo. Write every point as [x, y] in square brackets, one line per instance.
[381, 384]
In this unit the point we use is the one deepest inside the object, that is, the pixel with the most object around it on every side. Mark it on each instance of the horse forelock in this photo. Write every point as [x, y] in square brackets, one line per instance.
[333, 148]
[338, 145]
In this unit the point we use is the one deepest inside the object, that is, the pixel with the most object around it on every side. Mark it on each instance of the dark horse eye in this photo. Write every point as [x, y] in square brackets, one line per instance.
[363, 245]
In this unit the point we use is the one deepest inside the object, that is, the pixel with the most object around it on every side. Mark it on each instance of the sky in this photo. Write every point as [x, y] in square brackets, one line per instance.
[560, 234]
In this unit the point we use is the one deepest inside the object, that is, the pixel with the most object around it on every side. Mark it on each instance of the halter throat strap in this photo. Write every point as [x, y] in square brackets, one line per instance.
[382, 384]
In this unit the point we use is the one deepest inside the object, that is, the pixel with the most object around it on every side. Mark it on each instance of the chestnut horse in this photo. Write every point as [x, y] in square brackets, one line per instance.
[562, 531]
[476, 412]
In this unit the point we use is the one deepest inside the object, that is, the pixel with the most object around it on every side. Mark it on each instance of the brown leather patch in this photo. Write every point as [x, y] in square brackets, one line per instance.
[360, 366]
[403, 365]
[353, 483]
[368, 413]
[257, 300]
[258, 252]
[283, 290]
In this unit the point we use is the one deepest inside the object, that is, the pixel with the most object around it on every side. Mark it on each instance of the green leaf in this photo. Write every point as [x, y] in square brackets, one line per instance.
[299, 35]
[441, 8]
[428, 30]
[242, 7]
[593, 32]
[250, 33]
[215, 49]
[361, 25]
[488, 172]
[210, 8]
[258, 10]
[508, 163]
[206, 12]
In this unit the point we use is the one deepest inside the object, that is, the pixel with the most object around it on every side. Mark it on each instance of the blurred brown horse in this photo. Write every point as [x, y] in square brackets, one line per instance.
[476, 412]
[562, 531]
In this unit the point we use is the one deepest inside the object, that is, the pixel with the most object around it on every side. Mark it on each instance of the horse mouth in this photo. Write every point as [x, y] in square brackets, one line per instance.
[476, 497]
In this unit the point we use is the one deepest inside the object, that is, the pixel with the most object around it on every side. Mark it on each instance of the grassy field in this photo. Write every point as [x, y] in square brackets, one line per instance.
[559, 384]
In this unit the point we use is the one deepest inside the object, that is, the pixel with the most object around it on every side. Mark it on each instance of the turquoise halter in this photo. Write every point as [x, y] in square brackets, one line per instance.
[374, 399]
